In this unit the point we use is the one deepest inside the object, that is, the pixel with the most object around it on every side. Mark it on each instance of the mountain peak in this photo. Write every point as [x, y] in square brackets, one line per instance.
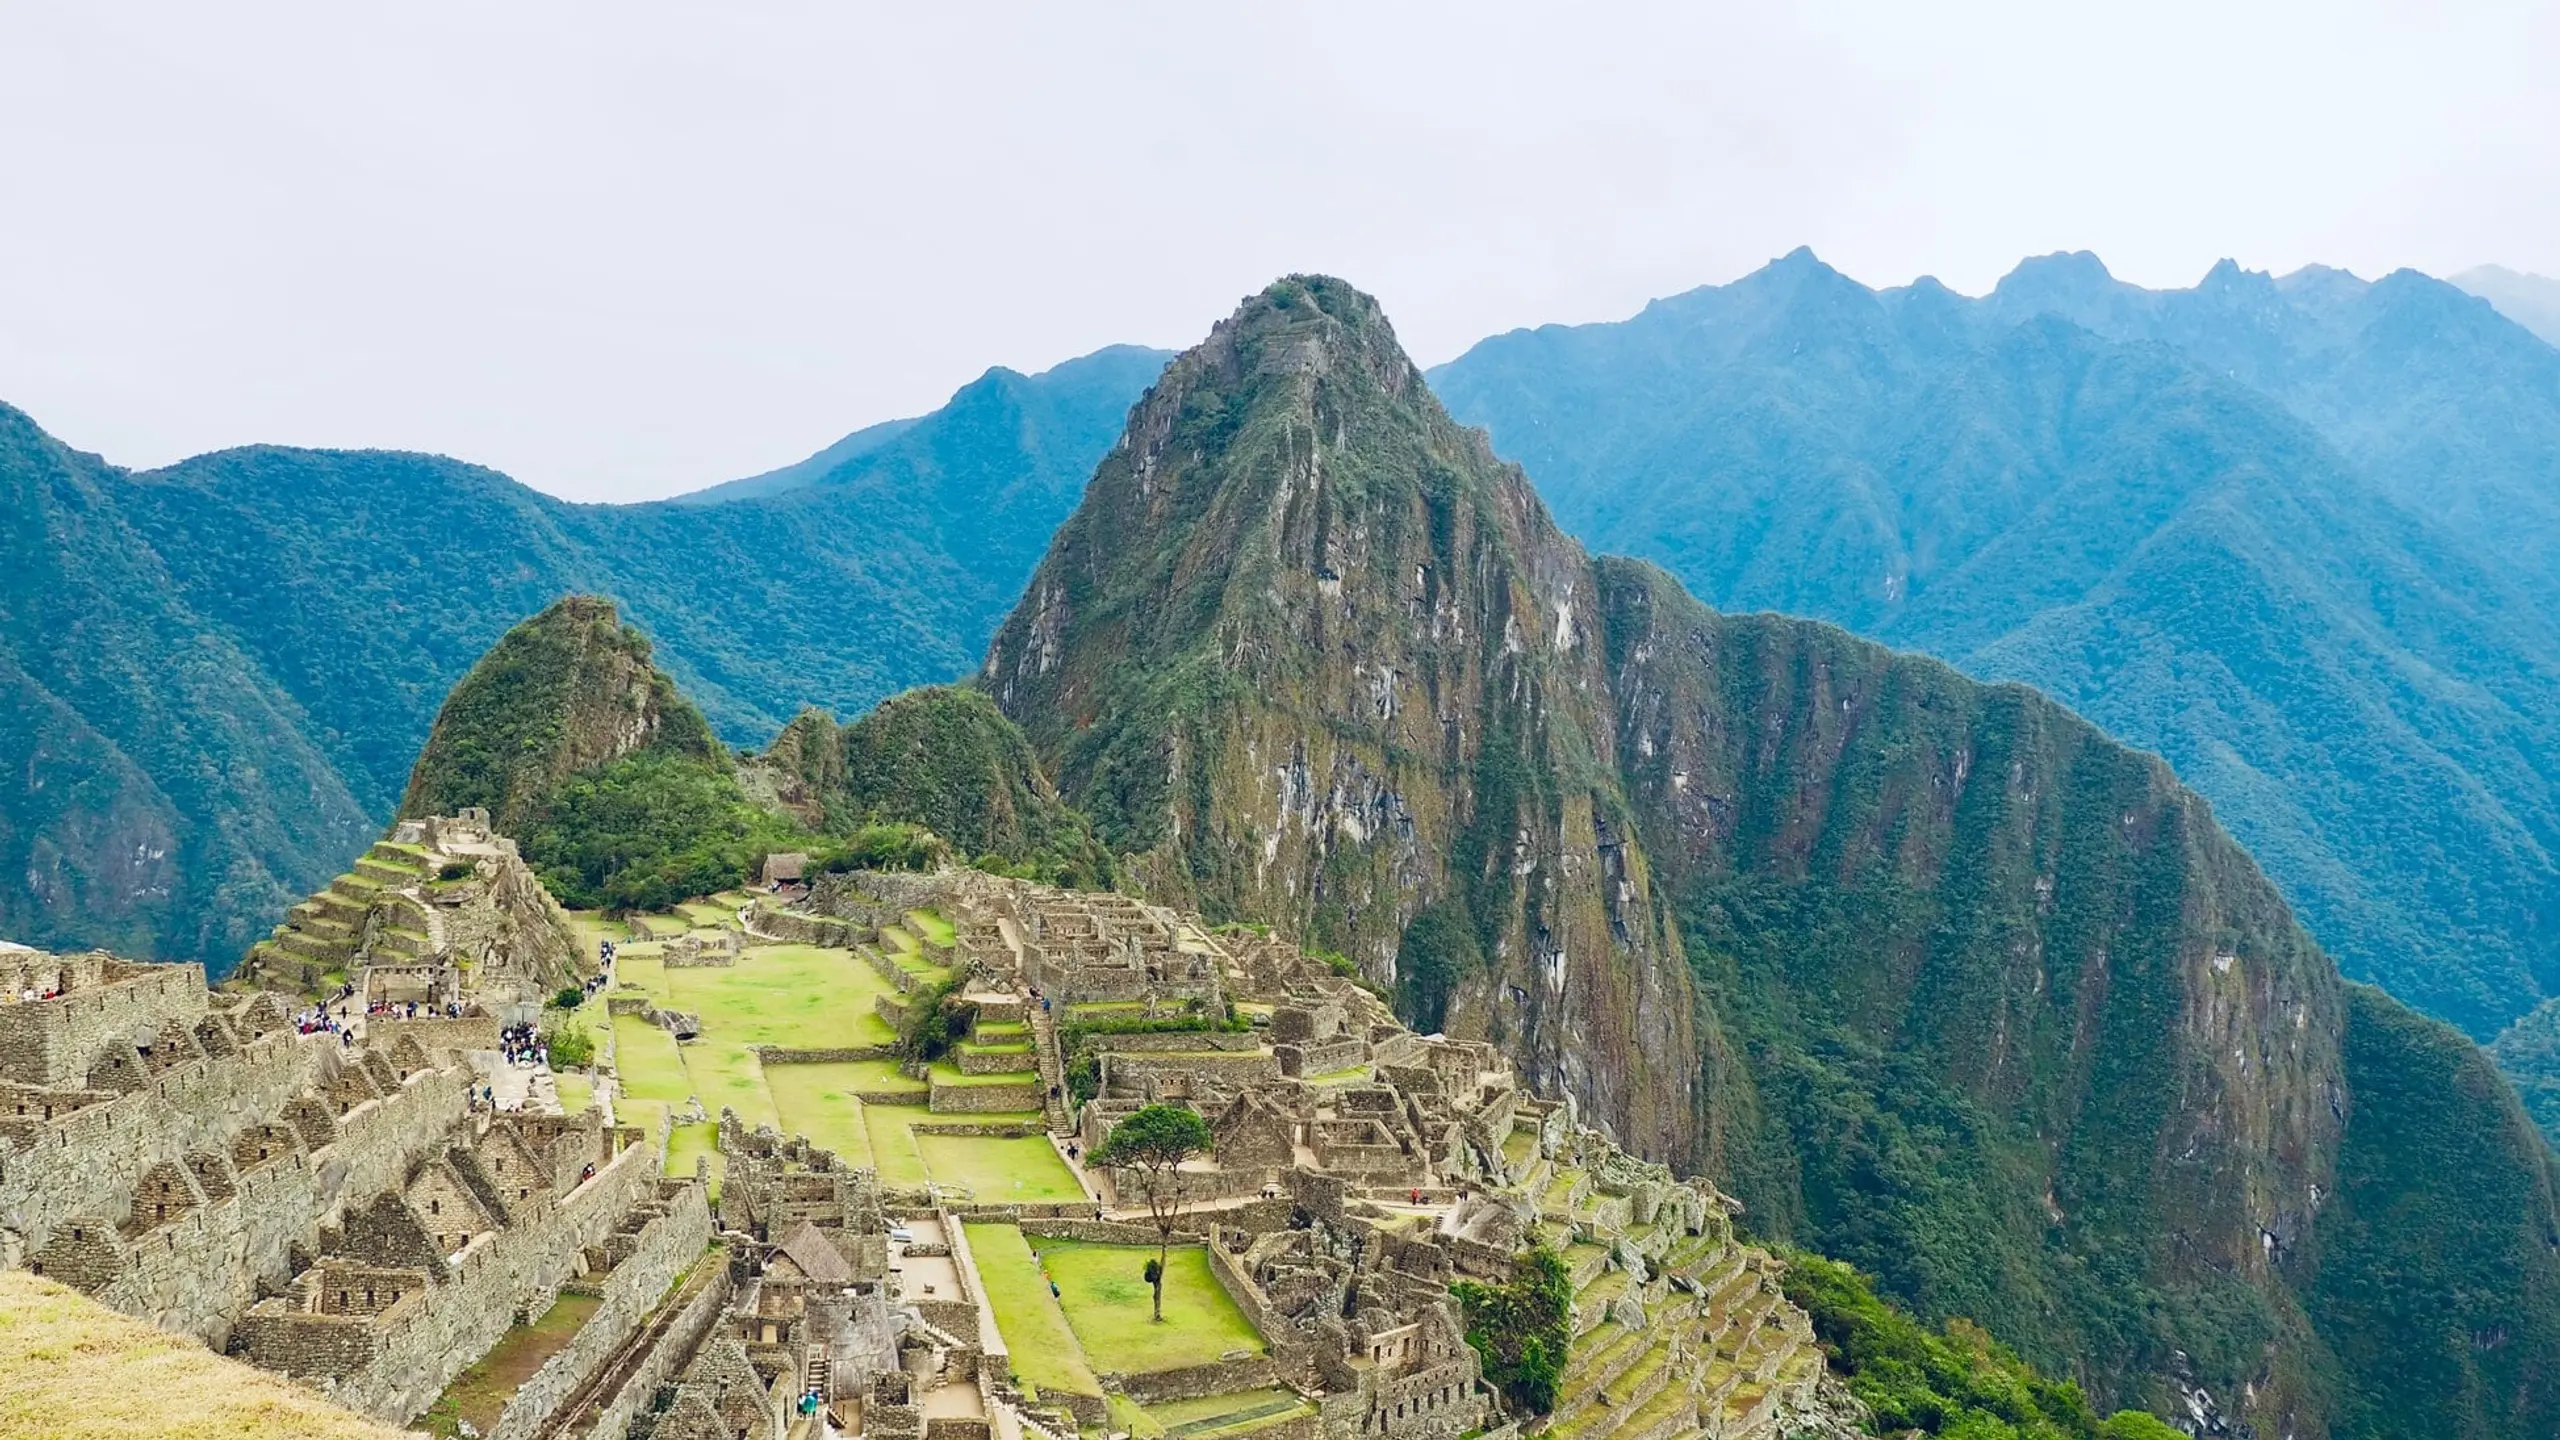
[566, 690]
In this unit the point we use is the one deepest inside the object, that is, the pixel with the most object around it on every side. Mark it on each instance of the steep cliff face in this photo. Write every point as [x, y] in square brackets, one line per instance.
[1933, 974]
[1315, 657]
[566, 691]
[2036, 1039]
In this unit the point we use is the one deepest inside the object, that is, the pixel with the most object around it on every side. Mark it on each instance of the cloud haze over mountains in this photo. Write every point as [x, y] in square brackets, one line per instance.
[618, 252]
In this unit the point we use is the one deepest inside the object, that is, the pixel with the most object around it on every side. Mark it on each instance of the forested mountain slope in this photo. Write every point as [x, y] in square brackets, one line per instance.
[2293, 535]
[220, 672]
[1936, 976]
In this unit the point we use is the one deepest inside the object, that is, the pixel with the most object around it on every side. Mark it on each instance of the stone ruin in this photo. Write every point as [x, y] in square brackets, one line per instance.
[441, 909]
[344, 1213]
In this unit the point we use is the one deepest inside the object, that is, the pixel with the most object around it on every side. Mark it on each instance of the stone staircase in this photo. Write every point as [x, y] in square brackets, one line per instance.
[1053, 1071]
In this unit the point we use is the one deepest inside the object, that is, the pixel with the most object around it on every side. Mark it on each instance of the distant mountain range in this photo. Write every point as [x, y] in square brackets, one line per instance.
[2532, 301]
[2301, 536]
[217, 675]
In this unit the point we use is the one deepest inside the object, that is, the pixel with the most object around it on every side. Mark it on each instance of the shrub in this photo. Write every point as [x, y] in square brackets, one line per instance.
[568, 997]
[1523, 1328]
[572, 1048]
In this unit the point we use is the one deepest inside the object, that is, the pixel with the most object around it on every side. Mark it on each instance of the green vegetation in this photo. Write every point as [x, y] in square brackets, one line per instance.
[1954, 1382]
[1523, 1328]
[2529, 1053]
[556, 695]
[571, 1046]
[946, 758]
[2435, 1248]
[1022, 1170]
[268, 632]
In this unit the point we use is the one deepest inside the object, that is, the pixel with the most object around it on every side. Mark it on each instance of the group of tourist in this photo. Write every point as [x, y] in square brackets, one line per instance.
[414, 1009]
[522, 1045]
[51, 992]
[321, 1020]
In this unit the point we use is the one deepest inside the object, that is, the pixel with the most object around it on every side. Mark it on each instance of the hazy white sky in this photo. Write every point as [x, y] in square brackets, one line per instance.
[622, 250]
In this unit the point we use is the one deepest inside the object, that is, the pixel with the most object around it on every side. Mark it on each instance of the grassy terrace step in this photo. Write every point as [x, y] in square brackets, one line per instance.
[1592, 1301]
[1597, 1358]
[1215, 1417]
[1665, 1406]
[1518, 1146]
[1633, 1386]
[936, 931]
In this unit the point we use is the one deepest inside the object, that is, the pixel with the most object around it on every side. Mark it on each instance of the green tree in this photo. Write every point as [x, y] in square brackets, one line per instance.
[1153, 1145]
[1522, 1327]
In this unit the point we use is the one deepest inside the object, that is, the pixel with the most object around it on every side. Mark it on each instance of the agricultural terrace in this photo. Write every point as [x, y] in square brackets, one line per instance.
[810, 997]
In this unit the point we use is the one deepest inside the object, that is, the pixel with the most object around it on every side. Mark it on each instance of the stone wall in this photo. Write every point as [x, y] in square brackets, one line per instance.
[779, 1055]
[53, 1042]
[1191, 1382]
[667, 1245]
[197, 1275]
[1182, 1040]
[471, 1032]
[1229, 1070]
[517, 1271]
[89, 1162]
[666, 1356]
[996, 1099]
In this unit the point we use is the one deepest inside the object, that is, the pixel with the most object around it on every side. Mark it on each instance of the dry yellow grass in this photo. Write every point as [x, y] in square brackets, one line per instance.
[72, 1369]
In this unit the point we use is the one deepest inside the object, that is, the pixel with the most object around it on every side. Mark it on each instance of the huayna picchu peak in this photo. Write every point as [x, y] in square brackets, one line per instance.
[1933, 975]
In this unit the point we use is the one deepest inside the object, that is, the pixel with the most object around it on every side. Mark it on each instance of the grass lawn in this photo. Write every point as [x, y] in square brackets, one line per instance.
[72, 1369]
[820, 1101]
[939, 933]
[645, 1058]
[576, 1091]
[688, 1141]
[728, 1073]
[799, 996]
[1108, 1305]
[1024, 1169]
[893, 1147]
[480, 1393]
[1045, 1351]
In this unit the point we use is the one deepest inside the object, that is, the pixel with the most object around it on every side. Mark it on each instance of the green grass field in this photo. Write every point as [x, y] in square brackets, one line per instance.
[820, 1101]
[1109, 1307]
[1024, 1170]
[1045, 1351]
[893, 1145]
